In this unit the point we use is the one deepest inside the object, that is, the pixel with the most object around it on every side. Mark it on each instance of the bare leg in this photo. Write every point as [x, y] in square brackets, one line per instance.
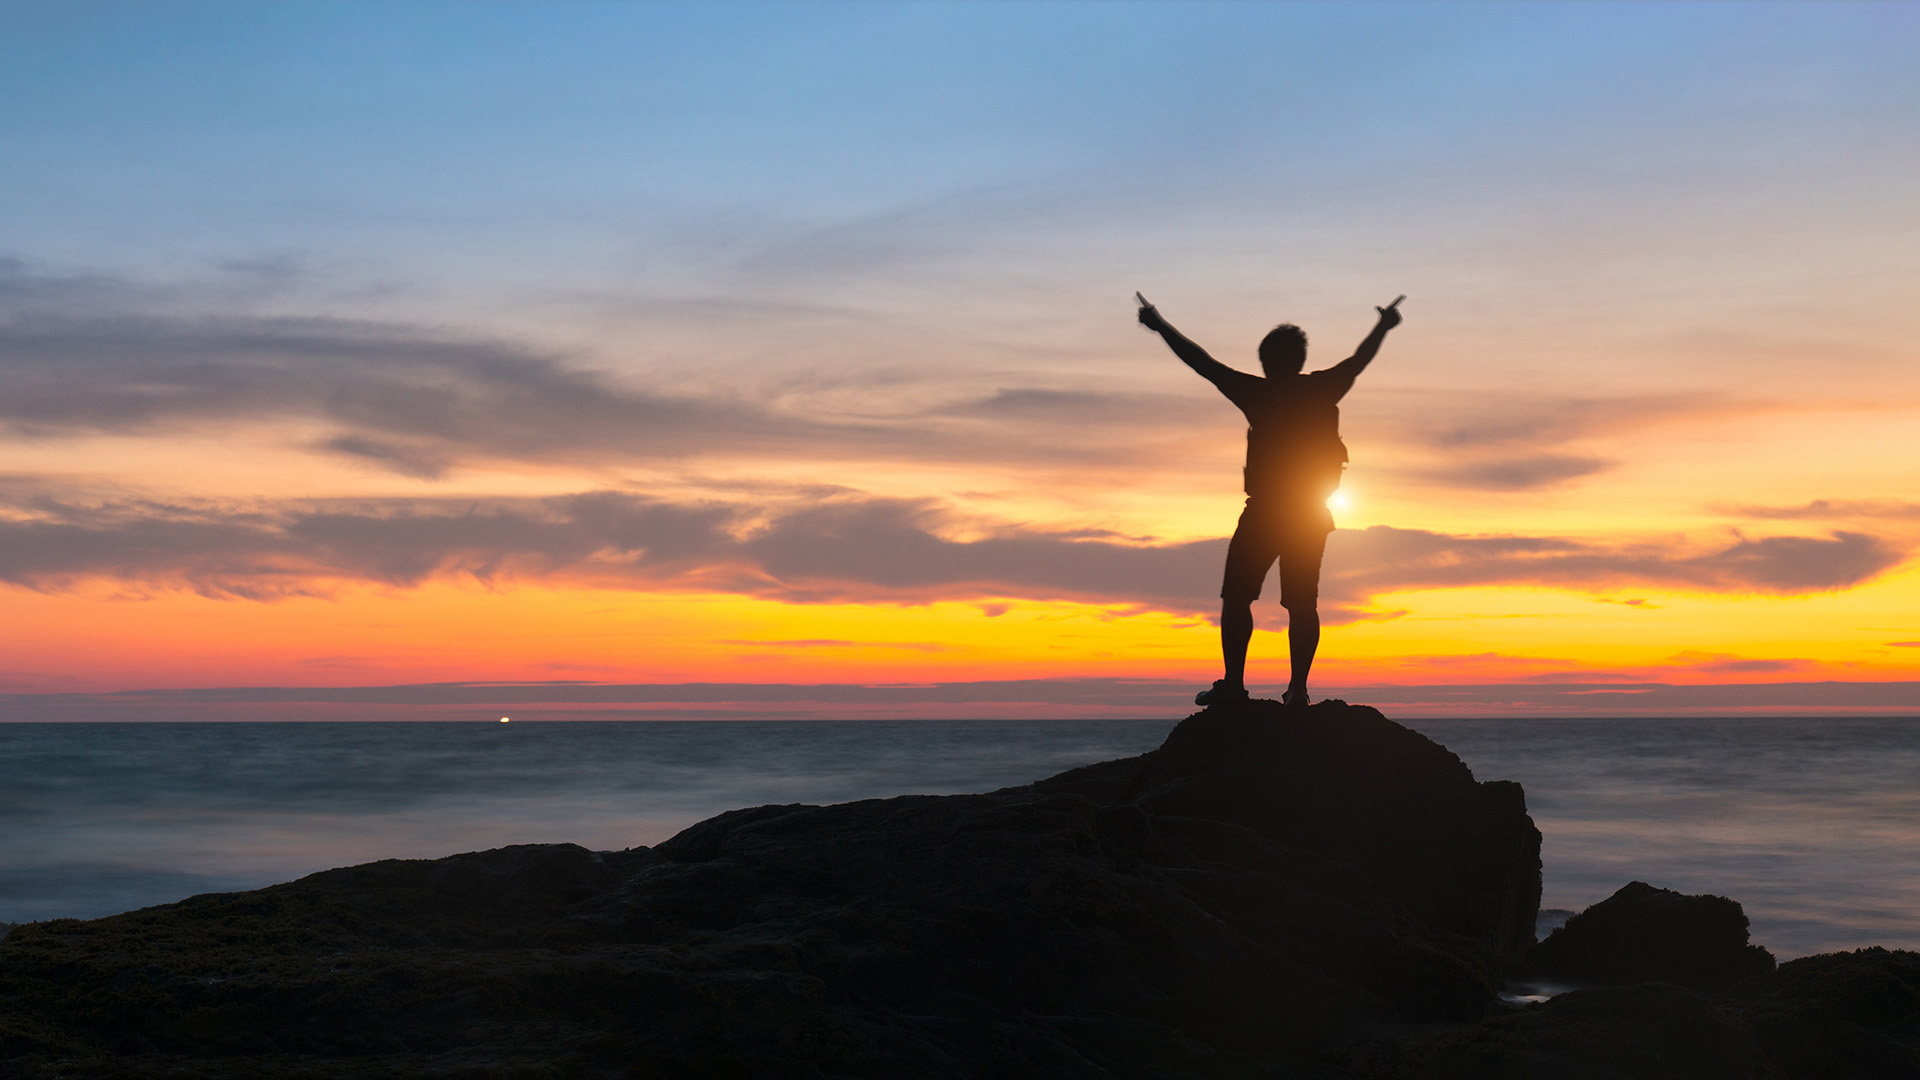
[1303, 640]
[1236, 630]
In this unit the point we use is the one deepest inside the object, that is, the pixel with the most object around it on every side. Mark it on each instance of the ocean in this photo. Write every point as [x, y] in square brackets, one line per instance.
[1812, 824]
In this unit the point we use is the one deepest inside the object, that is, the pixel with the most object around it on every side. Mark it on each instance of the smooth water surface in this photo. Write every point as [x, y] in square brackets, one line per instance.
[102, 818]
[1811, 824]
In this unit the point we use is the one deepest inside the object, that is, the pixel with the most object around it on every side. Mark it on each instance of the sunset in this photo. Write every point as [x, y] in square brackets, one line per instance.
[663, 362]
[375, 345]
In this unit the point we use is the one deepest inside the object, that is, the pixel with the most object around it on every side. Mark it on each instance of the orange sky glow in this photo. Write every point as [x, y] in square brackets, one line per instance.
[1653, 416]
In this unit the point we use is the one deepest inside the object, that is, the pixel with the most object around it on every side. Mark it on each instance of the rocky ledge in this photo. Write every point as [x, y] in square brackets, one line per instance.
[1315, 893]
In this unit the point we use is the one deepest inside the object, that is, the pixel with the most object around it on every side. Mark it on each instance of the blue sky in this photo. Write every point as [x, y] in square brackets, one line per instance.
[583, 139]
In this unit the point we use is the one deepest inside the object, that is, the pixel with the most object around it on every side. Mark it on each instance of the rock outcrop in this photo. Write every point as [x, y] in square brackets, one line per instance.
[1262, 890]
[1401, 809]
[1315, 893]
[1643, 934]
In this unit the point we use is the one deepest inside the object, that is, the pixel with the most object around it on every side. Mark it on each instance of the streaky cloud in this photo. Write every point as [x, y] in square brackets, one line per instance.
[1513, 442]
[1519, 422]
[843, 549]
[421, 402]
[1385, 558]
[1827, 509]
[1517, 474]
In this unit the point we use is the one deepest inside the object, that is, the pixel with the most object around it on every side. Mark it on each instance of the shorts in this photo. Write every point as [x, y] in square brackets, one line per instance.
[1294, 535]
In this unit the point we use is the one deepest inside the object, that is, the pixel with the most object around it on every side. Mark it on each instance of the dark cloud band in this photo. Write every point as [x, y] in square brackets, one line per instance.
[847, 548]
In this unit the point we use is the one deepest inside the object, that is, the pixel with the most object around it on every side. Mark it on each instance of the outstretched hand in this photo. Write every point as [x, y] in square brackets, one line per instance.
[1390, 315]
[1150, 318]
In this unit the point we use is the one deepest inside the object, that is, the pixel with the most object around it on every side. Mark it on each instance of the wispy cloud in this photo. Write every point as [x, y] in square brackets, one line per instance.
[407, 398]
[834, 643]
[1515, 422]
[1381, 558]
[1104, 409]
[1729, 664]
[84, 355]
[1515, 473]
[1494, 441]
[1832, 509]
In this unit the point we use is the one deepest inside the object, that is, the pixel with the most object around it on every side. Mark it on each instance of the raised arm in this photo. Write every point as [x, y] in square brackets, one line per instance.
[1192, 355]
[1362, 356]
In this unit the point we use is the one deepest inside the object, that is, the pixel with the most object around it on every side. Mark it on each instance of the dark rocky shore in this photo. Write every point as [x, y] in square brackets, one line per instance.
[1320, 893]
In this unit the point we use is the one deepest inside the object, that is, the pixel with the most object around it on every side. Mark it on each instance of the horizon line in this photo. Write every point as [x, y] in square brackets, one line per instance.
[1035, 698]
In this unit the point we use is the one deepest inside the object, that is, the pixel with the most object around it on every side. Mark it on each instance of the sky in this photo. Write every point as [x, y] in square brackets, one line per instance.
[792, 345]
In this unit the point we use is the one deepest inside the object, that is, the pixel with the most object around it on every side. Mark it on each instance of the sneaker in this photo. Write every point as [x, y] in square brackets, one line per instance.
[1220, 694]
[1295, 699]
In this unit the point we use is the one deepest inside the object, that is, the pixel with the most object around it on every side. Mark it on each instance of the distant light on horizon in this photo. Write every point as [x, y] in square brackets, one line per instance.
[505, 719]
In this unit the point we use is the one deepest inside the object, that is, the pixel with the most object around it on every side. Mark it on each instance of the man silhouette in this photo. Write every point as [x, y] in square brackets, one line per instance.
[1294, 461]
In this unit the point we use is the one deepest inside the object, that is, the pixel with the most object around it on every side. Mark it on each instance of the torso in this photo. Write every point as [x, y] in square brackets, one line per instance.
[1294, 452]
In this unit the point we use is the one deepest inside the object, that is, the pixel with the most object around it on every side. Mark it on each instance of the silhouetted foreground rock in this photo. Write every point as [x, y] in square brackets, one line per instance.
[1842, 1016]
[1317, 893]
[1644, 934]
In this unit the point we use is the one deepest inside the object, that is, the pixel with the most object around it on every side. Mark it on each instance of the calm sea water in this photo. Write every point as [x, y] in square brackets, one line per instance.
[1814, 825]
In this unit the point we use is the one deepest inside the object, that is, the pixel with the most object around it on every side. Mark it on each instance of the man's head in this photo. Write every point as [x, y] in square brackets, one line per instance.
[1284, 350]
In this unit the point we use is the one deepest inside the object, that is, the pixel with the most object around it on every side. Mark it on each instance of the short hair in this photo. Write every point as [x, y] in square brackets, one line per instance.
[1284, 349]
